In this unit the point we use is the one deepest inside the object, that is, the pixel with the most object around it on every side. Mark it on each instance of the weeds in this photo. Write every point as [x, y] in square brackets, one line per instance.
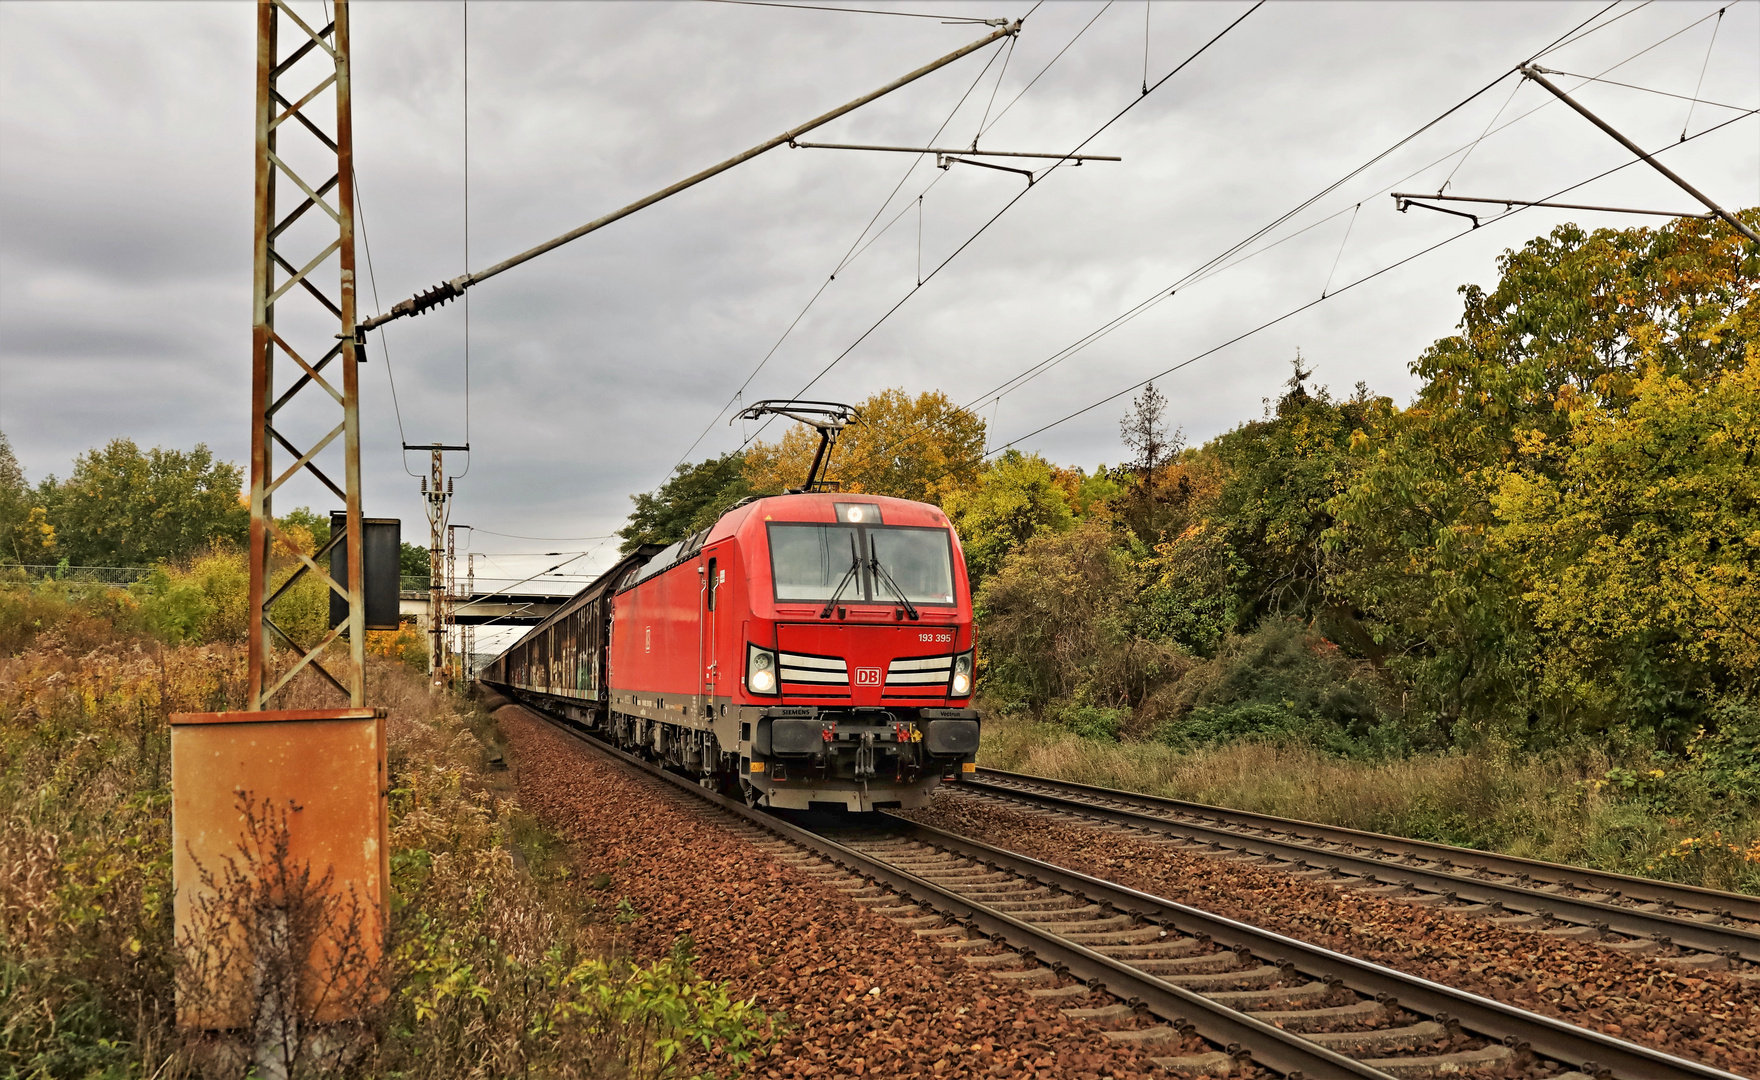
[498, 962]
[1581, 805]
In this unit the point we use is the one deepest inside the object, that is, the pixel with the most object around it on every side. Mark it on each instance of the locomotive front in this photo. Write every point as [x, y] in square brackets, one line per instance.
[856, 654]
[813, 650]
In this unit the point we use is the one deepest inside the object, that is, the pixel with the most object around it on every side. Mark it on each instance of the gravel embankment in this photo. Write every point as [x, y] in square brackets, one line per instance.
[796, 944]
[1710, 1017]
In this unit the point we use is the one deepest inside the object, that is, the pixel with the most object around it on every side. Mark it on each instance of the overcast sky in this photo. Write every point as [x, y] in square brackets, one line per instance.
[125, 216]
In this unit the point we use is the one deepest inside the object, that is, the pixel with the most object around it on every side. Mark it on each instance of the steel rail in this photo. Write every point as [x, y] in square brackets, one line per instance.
[1542, 1034]
[1686, 932]
[1280, 1050]
[1270, 1046]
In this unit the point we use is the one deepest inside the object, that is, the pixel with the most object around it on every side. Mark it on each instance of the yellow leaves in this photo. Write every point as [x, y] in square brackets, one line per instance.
[1644, 521]
[910, 448]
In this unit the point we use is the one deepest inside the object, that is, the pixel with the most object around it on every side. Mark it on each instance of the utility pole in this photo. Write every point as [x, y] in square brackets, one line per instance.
[322, 205]
[1538, 74]
[455, 668]
[469, 630]
[327, 765]
[437, 494]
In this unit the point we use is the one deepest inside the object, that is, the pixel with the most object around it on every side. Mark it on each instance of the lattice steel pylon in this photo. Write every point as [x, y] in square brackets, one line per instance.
[317, 159]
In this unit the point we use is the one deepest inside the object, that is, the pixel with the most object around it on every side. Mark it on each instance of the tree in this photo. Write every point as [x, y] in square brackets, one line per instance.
[1577, 320]
[1014, 500]
[124, 507]
[1144, 430]
[1057, 626]
[413, 561]
[25, 533]
[1280, 475]
[1640, 561]
[911, 448]
[694, 497]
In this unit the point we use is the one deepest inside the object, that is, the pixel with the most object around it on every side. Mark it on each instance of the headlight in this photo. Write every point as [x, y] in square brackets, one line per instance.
[962, 675]
[760, 670]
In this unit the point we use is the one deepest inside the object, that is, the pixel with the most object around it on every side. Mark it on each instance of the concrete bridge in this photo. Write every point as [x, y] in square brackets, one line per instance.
[479, 609]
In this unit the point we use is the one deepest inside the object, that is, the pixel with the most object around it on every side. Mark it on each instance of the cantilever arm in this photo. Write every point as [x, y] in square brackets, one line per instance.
[1538, 74]
[447, 290]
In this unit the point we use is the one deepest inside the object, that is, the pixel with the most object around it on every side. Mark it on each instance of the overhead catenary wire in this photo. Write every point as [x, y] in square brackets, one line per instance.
[1706, 63]
[1066, 46]
[551, 539]
[1022, 194]
[523, 580]
[858, 11]
[1218, 261]
[1005, 208]
[465, 27]
[1340, 291]
[1228, 258]
[854, 252]
[1216, 265]
[1425, 168]
[990, 452]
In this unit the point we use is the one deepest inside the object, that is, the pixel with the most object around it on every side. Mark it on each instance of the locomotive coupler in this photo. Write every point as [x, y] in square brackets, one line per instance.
[865, 756]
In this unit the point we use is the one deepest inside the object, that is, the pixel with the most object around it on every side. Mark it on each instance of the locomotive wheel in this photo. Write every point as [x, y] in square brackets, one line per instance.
[749, 792]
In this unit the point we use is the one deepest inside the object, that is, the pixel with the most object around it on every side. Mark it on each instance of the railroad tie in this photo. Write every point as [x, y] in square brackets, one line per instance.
[1401, 1038]
[1365, 1012]
[1215, 1063]
[1411, 1068]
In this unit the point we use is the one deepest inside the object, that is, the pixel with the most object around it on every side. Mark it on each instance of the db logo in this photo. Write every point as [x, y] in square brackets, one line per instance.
[867, 676]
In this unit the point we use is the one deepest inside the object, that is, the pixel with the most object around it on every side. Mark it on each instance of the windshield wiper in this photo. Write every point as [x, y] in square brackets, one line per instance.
[881, 573]
[855, 564]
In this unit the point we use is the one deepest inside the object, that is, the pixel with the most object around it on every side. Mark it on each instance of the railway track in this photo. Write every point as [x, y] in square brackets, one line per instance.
[1649, 916]
[1215, 993]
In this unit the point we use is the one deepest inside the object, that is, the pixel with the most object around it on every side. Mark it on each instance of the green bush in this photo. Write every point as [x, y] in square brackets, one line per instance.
[1057, 626]
[1215, 725]
[1283, 682]
[1090, 721]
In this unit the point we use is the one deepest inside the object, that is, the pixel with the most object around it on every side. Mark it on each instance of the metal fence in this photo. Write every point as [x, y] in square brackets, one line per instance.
[118, 576]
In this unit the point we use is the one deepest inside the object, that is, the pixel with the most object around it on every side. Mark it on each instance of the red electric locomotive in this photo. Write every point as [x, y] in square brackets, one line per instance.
[812, 650]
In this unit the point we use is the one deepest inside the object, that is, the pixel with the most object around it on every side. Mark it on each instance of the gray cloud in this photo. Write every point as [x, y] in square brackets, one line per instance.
[125, 184]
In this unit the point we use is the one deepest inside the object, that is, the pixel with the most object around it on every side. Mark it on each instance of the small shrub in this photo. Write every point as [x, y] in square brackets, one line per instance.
[1215, 725]
[498, 960]
[1056, 626]
[1091, 721]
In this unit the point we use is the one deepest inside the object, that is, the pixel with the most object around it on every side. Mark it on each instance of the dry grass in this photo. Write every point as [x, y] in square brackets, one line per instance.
[497, 963]
[1555, 807]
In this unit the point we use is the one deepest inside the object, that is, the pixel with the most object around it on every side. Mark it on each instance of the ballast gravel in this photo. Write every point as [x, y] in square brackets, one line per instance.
[1710, 1017]
[857, 995]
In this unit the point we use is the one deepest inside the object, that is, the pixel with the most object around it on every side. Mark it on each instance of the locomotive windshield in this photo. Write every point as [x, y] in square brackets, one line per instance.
[809, 562]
